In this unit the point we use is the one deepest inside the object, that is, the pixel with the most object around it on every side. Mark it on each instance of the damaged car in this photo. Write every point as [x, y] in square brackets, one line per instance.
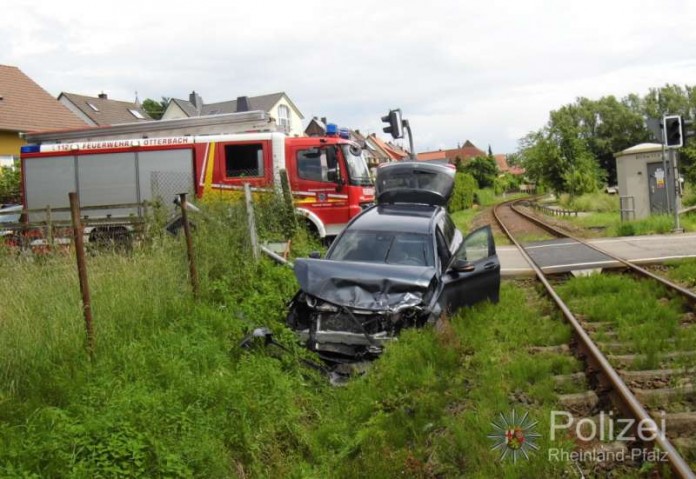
[399, 264]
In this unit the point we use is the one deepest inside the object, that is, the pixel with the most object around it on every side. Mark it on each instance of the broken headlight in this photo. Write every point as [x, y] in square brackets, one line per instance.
[319, 305]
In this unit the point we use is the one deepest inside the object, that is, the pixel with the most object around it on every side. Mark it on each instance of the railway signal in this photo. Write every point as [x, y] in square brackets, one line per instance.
[396, 128]
[673, 131]
[396, 124]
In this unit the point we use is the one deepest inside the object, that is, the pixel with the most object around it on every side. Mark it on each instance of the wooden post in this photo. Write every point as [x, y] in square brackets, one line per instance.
[193, 273]
[78, 241]
[251, 221]
[49, 228]
[289, 220]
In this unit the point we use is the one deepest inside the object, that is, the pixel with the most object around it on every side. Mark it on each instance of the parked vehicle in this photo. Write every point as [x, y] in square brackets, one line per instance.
[210, 157]
[9, 214]
[399, 264]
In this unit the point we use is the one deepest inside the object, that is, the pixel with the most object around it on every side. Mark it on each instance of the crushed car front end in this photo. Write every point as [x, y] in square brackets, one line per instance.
[347, 311]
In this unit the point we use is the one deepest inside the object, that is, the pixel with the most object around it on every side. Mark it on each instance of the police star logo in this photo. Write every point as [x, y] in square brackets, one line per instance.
[514, 436]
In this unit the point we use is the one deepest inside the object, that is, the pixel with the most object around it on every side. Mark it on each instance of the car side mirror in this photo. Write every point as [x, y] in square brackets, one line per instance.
[315, 255]
[462, 266]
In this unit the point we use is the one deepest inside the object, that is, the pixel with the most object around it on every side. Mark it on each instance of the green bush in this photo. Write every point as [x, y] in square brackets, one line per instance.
[485, 197]
[597, 201]
[464, 189]
[626, 229]
[506, 182]
[689, 198]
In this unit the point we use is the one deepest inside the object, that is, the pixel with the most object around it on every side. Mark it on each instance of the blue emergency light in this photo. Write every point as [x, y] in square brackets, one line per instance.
[331, 129]
[30, 149]
[344, 133]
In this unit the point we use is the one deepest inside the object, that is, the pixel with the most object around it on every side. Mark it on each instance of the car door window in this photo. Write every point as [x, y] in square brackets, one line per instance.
[477, 246]
[443, 251]
[318, 164]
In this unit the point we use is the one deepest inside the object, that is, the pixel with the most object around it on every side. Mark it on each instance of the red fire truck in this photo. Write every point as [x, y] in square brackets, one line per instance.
[208, 156]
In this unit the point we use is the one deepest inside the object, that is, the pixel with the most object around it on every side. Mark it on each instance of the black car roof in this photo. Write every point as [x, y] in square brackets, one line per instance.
[408, 218]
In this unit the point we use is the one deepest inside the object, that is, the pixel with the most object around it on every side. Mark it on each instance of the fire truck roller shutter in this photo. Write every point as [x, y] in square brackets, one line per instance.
[47, 182]
[108, 179]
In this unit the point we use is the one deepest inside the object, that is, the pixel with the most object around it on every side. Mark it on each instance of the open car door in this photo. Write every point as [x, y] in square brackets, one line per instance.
[473, 274]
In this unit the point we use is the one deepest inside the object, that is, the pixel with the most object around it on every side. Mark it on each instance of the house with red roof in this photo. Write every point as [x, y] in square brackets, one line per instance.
[393, 152]
[26, 107]
[465, 152]
[503, 167]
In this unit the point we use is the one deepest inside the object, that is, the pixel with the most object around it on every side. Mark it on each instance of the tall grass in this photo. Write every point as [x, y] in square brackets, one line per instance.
[171, 393]
[647, 324]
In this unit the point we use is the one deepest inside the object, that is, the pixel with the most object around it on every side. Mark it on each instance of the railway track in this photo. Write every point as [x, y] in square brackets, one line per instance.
[633, 394]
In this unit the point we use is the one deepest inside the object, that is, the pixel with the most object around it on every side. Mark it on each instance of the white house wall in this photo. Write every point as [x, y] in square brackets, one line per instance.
[173, 111]
[295, 119]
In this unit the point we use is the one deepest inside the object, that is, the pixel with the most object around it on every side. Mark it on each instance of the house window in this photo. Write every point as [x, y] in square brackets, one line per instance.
[284, 117]
[92, 106]
[243, 160]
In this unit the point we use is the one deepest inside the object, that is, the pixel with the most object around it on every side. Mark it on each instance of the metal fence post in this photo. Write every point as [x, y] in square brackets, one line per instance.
[193, 273]
[82, 270]
[251, 221]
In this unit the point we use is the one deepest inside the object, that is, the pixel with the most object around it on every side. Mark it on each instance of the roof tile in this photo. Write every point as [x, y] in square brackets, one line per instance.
[108, 112]
[25, 106]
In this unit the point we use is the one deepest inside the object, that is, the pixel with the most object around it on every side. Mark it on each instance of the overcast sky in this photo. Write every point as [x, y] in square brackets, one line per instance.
[488, 71]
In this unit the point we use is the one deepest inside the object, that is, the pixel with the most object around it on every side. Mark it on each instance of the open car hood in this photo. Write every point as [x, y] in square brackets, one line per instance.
[369, 286]
[414, 182]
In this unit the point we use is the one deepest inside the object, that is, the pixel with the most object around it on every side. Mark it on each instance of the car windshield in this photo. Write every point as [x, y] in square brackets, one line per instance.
[357, 167]
[409, 249]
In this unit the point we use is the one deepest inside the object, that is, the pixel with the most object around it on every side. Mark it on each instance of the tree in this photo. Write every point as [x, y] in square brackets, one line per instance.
[606, 126]
[9, 184]
[559, 158]
[576, 148]
[483, 169]
[155, 108]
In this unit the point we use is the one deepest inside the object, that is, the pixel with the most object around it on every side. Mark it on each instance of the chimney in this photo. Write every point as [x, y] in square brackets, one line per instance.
[103, 96]
[242, 103]
[196, 100]
[323, 120]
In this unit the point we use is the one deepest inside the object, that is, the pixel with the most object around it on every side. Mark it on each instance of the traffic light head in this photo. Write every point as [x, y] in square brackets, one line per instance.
[673, 131]
[395, 128]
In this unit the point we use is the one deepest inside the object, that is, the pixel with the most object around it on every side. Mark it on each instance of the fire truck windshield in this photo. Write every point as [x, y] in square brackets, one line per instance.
[357, 168]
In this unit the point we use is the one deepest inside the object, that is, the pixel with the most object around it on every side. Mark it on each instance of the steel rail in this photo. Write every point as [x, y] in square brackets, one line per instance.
[628, 400]
[689, 295]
